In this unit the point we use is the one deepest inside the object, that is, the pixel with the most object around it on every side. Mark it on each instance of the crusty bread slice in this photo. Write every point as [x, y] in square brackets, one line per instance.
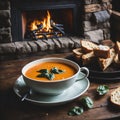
[115, 97]
[77, 53]
[108, 43]
[116, 60]
[104, 63]
[102, 51]
[88, 46]
[117, 48]
[87, 58]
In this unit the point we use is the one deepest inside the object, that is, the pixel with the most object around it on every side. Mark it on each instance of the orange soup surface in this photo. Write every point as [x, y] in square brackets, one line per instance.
[68, 71]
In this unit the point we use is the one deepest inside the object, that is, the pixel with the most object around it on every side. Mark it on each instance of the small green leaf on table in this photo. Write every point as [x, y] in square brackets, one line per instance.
[102, 89]
[76, 110]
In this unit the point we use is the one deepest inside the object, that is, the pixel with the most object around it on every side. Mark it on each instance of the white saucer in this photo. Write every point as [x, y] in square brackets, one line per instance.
[76, 90]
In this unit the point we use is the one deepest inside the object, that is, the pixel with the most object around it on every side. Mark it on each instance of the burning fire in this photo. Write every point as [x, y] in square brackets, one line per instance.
[45, 24]
[45, 28]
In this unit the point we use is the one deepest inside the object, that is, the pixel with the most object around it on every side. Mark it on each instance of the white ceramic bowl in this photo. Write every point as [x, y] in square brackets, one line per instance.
[52, 87]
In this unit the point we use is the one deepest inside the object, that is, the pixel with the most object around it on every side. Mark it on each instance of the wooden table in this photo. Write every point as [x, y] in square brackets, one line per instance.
[11, 107]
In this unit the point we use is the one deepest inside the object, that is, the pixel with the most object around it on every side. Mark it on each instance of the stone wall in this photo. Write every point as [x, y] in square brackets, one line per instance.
[96, 19]
[5, 24]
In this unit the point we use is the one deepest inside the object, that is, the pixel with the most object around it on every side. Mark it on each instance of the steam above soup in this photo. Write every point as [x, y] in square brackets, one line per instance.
[50, 71]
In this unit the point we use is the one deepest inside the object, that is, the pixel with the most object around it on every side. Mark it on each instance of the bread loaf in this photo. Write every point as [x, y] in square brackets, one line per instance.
[117, 48]
[87, 58]
[117, 61]
[77, 53]
[117, 45]
[104, 63]
[88, 46]
[104, 55]
[102, 51]
[108, 43]
[115, 97]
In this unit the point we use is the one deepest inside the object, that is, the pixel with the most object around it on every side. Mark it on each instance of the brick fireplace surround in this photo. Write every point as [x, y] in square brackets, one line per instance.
[10, 48]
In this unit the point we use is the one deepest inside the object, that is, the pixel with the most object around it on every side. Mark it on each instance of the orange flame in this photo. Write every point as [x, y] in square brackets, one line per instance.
[46, 23]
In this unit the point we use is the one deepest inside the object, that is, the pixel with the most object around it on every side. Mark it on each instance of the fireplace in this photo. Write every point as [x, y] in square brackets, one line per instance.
[64, 13]
[73, 15]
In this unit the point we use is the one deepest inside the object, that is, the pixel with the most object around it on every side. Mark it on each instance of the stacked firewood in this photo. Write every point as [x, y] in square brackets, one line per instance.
[96, 19]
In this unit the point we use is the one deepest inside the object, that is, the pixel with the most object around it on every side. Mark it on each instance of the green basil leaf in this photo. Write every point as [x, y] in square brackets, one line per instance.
[102, 89]
[87, 102]
[43, 75]
[55, 70]
[43, 71]
[51, 76]
[61, 71]
[76, 110]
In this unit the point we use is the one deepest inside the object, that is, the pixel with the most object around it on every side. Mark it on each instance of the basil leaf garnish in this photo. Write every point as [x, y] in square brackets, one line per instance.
[61, 71]
[87, 102]
[43, 71]
[55, 70]
[76, 110]
[43, 75]
[102, 89]
[51, 76]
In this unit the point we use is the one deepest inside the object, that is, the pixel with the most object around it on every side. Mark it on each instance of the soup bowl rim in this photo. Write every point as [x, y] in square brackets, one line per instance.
[51, 58]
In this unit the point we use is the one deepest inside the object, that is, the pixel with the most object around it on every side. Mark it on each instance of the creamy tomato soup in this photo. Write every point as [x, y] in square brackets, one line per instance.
[68, 71]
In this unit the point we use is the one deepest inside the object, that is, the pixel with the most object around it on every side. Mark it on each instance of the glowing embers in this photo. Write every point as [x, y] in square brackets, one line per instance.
[46, 28]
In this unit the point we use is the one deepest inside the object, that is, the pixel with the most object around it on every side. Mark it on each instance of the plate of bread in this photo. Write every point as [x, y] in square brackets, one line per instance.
[103, 60]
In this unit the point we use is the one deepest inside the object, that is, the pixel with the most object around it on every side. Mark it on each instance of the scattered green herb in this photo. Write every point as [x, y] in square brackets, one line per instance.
[49, 74]
[55, 70]
[102, 89]
[87, 102]
[76, 110]
[43, 71]
[43, 75]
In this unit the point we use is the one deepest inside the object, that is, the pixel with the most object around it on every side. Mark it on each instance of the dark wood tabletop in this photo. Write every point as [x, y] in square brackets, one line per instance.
[12, 108]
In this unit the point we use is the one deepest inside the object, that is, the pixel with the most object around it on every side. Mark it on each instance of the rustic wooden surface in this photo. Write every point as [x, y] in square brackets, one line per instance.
[11, 108]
